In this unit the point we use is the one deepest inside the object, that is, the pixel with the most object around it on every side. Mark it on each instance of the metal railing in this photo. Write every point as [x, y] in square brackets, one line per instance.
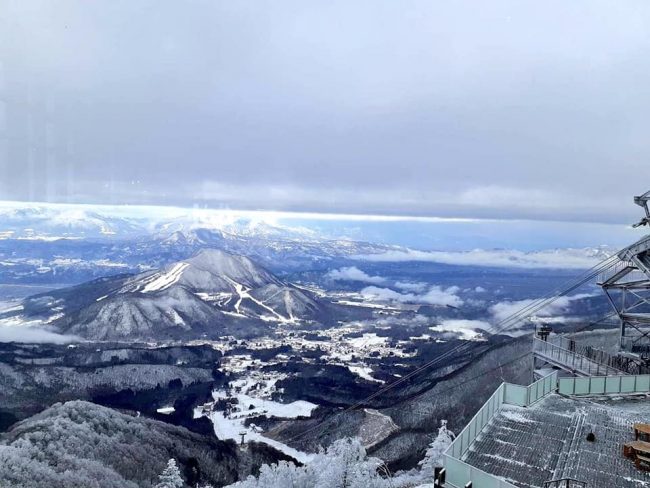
[565, 483]
[635, 342]
[613, 271]
[572, 360]
[622, 363]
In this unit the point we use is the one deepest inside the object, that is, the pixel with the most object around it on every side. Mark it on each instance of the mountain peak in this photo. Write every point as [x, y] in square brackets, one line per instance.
[212, 254]
[209, 271]
[223, 263]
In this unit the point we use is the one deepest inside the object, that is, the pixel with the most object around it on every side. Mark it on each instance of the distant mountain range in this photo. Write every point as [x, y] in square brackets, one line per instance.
[51, 222]
[68, 244]
[45, 222]
[212, 294]
[64, 244]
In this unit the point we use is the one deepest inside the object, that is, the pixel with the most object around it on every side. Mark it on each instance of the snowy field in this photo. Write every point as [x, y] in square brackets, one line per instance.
[250, 398]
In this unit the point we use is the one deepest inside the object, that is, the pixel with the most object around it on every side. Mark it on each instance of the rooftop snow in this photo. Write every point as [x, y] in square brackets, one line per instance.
[528, 446]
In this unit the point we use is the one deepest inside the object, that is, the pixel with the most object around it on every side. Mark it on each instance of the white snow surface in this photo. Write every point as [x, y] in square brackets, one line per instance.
[166, 279]
[249, 397]
[230, 425]
[364, 372]
[166, 410]
[263, 406]
[227, 428]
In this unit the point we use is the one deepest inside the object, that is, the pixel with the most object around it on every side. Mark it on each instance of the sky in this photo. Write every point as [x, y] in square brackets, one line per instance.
[516, 111]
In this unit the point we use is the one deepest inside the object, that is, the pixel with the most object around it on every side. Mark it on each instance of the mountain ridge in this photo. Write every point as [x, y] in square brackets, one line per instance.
[205, 295]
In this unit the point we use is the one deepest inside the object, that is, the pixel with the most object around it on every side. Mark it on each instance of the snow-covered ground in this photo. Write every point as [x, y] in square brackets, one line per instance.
[249, 398]
[228, 428]
[167, 279]
[364, 372]
[166, 410]
[244, 294]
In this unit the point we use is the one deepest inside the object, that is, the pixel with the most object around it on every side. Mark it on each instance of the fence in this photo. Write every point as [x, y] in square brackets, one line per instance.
[572, 360]
[462, 442]
[604, 385]
[525, 396]
[565, 483]
[460, 473]
[616, 361]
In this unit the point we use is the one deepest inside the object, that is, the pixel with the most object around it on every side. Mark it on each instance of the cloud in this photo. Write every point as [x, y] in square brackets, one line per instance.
[31, 334]
[286, 115]
[548, 259]
[410, 286]
[439, 296]
[402, 321]
[387, 294]
[353, 273]
[503, 310]
[466, 328]
[434, 296]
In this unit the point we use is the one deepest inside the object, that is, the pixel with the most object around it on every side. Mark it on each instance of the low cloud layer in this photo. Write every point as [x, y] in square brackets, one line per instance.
[35, 335]
[503, 310]
[466, 329]
[436, 295]
[416, 287]
[550, 259]
[353, 273]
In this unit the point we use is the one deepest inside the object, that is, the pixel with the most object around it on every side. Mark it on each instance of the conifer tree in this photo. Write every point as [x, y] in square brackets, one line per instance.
[171, 476]
[433, 456]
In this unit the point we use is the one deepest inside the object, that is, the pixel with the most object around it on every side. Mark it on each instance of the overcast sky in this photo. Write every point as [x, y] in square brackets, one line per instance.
[499, 109]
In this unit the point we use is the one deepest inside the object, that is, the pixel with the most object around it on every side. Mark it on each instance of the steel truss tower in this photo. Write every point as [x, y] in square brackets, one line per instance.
[627, 287]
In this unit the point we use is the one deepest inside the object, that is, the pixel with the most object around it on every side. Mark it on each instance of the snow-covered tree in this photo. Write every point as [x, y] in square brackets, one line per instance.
[171, 476]
[433, 456]
[343, 465]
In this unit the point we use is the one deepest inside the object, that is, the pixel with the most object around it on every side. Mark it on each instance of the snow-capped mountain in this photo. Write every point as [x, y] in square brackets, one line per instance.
[210, 271]
[231, 226]
[70, 244]
[99, 241]
[44, 222]
[285, 252]
[209, 294]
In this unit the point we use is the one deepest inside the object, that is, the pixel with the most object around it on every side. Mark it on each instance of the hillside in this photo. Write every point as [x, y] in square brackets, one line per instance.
[212, 294]
[416, 408]
[84, 445]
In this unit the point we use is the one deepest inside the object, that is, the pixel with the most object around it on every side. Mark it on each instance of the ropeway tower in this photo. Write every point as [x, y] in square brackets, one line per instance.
[625, 279]
[627, 286]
